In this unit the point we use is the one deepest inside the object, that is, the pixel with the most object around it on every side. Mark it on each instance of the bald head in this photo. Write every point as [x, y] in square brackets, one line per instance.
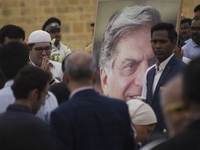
[80, 66]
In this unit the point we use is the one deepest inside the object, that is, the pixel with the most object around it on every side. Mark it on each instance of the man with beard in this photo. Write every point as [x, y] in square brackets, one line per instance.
[192, 48]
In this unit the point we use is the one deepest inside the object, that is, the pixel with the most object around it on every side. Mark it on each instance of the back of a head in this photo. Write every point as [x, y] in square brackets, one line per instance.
[186, 20]
[12, 32]
[13, 57]
[60, 91]
[80, 66]
[191, 81]
[165, 26]
[141, 113]
[127, 20]
[28, 79]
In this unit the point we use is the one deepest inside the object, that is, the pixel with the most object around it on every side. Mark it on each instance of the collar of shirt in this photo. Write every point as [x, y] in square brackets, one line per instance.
[186, 41]
[50, 63]
[9, 83]
[79, 89]
[163, 64]
[194, 44]
[19, 108]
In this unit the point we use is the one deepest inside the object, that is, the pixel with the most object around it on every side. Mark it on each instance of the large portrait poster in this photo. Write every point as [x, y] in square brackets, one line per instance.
[117, 81]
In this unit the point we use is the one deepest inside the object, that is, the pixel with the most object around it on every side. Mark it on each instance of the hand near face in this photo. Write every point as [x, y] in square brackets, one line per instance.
[45, 63]
[178, 52]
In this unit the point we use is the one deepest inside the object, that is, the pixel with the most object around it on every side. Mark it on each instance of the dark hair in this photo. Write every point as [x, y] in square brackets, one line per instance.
[80, 71]
[165, 26]
[11, 31]
[197, 8]
[61, 92]
[28, 79]
[191, 80]
[186, 20]
[13, 57]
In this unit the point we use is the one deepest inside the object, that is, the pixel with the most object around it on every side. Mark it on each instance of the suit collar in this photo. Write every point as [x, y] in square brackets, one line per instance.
[166, 71]
[80, 89]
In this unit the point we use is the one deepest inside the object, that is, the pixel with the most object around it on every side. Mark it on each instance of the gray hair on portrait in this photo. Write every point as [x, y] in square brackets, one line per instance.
[79, 71]
[124, 21]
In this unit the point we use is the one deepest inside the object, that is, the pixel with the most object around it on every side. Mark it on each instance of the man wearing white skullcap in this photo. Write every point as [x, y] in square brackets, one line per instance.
[143, 119]
[39, 43]
[40, 50]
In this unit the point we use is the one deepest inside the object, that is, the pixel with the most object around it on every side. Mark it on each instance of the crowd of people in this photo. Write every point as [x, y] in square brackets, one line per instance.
[144, 95]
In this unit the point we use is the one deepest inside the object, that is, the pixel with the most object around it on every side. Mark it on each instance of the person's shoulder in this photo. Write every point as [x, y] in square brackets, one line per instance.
[179, 62]
[112, 101]
[151, 67]
[187, 45]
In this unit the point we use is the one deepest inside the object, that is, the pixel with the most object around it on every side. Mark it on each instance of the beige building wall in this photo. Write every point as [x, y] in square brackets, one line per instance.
[75, 15]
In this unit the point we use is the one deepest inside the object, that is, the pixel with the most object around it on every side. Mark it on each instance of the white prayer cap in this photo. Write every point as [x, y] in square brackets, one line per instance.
[141, 113]
[39, 36]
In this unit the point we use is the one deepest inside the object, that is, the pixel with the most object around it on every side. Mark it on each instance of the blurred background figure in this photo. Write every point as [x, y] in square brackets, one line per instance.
[10, 33]
[185, 31]
[197, 11]
[175, 115]
[53, 27]
[89, 48]
[143, 120]
[192, 48]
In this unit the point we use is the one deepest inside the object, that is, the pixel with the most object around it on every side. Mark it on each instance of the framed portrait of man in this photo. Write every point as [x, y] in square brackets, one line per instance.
[122, 42]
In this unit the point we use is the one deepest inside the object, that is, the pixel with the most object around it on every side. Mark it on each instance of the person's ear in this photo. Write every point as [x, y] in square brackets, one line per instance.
[174, 42]
[66, 78]
[33, 95]
[104, 81]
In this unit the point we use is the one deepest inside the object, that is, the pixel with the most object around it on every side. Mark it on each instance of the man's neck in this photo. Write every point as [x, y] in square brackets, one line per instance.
[24, 102]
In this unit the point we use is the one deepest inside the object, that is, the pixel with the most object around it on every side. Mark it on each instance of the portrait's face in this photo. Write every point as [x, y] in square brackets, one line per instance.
[195, 31]
[161, 45]
[185, 30]
[39, 51]
[143, 132]
[134, 56]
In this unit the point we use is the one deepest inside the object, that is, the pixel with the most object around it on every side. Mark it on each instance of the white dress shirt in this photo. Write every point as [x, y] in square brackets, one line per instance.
[157, 76]
[7, 98]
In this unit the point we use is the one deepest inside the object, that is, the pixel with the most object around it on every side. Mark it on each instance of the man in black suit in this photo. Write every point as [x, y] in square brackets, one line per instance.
[190, 138]
[19, 128]
[88, 121]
